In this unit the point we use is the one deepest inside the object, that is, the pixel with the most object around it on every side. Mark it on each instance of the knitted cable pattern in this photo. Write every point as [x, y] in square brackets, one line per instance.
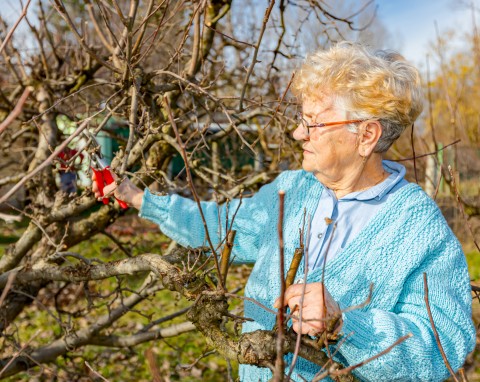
[408, 237]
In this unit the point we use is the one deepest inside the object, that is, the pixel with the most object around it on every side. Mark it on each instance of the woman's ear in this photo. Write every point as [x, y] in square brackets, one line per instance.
[368, 135]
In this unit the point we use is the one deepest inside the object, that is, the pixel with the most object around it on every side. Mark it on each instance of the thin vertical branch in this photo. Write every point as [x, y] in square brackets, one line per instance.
[16, 111]
[292, 271]
[435, 333]
[97, 28]
[430, 106]
[143, 28]
[460, 206]
[8, 286]
[152, 363]
[437, 187]
[10, 32]
[255, 53]
[413, 153]
[132, 122]
[192, 187]
[279, 363]
[226, 253]
[300, 311]
[461, 371]
[331, 323]
[196, 41]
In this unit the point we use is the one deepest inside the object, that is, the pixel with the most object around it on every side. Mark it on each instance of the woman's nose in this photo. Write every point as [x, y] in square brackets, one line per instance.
[300, 133]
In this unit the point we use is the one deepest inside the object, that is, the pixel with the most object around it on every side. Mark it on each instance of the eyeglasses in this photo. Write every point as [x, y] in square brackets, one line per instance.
[302, 121]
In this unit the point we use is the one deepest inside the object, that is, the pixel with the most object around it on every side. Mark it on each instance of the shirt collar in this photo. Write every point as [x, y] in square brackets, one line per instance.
[397, 173]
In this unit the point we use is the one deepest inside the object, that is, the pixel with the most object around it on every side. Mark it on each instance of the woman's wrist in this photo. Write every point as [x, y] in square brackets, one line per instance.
[137, 200]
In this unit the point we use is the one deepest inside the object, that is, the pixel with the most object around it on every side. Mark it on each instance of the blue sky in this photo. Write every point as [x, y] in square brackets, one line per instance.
[411, 22]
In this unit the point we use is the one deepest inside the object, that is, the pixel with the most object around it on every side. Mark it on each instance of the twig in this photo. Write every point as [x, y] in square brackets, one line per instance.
[181, 312]
[413, 152]
[279, 362]
[349, 369]
[255, 53]
[298, 341]
[99, 31]
[16, 111]
[229, 37]
[435, 333]
[10, 33]
[132, 122]
[292, 271]
[117, 243]
[330, 323]
[196, 41]
[460, 207]
[10, 280]
[227, 251]
[428, 154]
[206, 354]
[463, 376]
[252, 300]
[430, 105]
[192, 187]
[152, 363]
[437, 187]
[97, 374]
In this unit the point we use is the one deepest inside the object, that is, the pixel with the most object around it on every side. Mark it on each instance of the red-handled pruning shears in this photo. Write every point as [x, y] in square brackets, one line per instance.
[101, 168]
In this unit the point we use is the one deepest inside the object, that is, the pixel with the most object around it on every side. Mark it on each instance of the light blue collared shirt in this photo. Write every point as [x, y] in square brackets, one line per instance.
[350, 214]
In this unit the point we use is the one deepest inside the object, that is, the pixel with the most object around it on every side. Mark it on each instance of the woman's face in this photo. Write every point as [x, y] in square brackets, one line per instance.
[330, 153]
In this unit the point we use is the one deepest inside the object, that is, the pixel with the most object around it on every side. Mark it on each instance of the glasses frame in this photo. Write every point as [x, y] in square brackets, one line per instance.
[309, 126]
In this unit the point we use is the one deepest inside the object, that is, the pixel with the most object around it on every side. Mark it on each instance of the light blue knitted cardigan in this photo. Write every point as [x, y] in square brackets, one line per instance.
[408, 237]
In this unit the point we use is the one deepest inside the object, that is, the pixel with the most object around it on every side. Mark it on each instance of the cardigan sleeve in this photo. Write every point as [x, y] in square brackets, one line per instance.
[179, 218]
[417, 358]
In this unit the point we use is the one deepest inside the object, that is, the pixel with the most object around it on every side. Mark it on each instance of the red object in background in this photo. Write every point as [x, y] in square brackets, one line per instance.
[66, 155]
[67, 172]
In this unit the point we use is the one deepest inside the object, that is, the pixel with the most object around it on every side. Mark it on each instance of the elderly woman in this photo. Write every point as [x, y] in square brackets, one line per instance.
[369, 226]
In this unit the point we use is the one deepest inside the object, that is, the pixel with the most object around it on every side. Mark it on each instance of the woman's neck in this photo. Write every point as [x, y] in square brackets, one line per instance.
[369, 174]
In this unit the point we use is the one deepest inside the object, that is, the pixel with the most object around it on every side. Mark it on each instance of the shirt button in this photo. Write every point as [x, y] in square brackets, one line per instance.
[320, 235]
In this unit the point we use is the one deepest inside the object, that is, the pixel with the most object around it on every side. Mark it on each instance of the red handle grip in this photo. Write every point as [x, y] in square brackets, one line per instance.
[100, 183]
[108, 177]
[103, 178]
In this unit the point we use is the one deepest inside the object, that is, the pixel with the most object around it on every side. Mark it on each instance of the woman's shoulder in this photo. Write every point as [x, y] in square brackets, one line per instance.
[412, 195]
[415, 205]
[294, 179]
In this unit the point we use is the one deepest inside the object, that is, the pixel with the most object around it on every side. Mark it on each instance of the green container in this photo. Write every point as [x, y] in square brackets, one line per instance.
[106, 145]
[109, 145]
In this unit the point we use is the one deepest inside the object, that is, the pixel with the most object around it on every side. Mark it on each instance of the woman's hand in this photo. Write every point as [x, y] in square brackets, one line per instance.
[126, 191]
[315, 313]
